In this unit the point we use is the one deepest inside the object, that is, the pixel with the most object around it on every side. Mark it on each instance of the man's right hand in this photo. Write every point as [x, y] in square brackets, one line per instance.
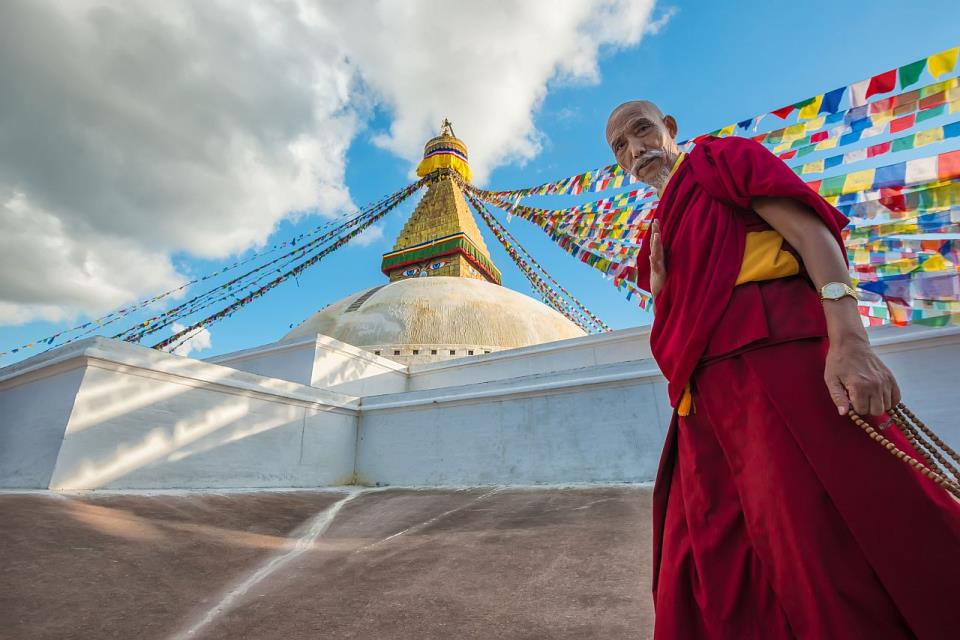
[658, 267]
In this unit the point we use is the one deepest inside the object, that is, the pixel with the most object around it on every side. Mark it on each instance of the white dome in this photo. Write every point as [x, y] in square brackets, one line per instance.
[441, 314]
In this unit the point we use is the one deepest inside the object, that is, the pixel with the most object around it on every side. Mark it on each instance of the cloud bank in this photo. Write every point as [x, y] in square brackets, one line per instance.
[154, 128]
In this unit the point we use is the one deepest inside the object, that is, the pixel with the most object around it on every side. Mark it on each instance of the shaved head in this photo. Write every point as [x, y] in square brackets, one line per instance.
[643, 141]
[634, 106]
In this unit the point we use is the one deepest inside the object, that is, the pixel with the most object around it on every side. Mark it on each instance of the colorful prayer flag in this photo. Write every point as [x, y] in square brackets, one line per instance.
[943, 62]
[910, 73]
[882, 83]
[831, 100]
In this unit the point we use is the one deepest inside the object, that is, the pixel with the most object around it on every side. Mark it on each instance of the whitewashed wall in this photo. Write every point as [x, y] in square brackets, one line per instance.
[102, 414]
[145, 419]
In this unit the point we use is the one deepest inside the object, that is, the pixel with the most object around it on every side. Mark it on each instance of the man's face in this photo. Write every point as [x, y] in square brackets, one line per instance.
[643, 142]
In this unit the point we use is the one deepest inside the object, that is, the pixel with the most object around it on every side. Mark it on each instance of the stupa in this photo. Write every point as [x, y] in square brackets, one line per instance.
[444, 298]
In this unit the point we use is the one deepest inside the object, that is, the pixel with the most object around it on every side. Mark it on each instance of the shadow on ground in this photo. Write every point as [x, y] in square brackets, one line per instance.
[397, 563]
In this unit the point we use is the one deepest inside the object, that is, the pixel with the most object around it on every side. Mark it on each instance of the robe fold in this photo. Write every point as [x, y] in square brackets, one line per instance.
[774, 517]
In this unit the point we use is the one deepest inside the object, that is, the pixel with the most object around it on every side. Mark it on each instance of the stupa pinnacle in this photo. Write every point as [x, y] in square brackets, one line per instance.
[441, 238]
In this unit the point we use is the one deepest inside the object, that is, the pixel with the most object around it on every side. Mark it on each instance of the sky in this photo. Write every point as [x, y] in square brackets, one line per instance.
[143, 144]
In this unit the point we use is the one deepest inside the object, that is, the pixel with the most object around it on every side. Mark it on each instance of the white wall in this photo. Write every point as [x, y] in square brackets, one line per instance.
[603, 424]
[322, 362]
[145, 419]
[34, 411]
[100, 414]
[623, 345]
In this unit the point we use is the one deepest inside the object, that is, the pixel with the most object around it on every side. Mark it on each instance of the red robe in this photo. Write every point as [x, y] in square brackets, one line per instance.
[774, 517]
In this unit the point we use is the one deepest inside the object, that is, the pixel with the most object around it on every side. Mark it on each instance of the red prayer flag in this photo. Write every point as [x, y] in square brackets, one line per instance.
[935, 100]
[893, 199]
[815, 185]
[878, 149]
[883, 105]
[882, 83]
[759, 138]
[820, 135]
[948, 165]
[905, 122]
[788, 154]
[783, 112]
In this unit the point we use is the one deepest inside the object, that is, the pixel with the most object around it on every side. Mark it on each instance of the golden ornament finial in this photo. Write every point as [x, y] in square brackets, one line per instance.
[446, 129]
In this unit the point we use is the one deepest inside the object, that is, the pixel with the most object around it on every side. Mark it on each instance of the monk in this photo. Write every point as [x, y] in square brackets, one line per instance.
[774, 515]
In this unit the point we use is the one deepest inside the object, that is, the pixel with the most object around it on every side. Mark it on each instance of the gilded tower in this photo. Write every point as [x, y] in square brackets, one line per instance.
[441, 238]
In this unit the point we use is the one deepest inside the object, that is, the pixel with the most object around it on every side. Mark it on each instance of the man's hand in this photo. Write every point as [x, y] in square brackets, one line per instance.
[856, 377]
[658, 267]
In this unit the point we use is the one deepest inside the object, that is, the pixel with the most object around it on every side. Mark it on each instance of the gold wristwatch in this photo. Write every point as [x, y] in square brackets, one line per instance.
[837, 290]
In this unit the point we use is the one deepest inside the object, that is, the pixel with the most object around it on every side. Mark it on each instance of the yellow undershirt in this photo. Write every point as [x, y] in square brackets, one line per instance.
[764, 258]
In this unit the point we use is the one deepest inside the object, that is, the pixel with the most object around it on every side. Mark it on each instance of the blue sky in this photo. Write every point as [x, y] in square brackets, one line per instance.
[712, 64]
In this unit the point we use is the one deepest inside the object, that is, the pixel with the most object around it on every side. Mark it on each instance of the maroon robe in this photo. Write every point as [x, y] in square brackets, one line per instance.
[774, 517]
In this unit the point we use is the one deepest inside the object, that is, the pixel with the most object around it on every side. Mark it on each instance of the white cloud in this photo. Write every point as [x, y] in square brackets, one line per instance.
[198, 340]
[159, 127]
[369, 235]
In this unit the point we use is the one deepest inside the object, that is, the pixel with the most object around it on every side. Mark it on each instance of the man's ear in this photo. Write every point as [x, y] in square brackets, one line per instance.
[671, 125]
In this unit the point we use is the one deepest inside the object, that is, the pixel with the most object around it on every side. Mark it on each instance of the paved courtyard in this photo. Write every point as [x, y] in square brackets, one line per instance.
[384, 563]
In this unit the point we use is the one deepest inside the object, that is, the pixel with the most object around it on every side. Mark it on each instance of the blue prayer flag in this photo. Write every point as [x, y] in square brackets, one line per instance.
[831, 101]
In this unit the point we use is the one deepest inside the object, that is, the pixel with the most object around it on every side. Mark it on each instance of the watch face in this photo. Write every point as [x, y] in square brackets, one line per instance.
[833, 290]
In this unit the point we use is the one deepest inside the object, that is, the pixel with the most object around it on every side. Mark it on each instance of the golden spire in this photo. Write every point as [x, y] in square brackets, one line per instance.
[441, 238]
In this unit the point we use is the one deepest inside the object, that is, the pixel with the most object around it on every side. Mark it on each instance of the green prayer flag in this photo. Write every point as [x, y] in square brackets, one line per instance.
[926, 114]
[832, 186]
[902, 144]
[910, 73]
[810, 148]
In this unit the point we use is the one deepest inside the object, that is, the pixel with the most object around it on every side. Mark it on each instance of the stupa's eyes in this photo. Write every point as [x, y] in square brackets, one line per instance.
[411, 272]
[438, 265]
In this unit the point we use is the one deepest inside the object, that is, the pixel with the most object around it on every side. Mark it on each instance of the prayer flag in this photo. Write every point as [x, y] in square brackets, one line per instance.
[878, 149]
[902, 124]
[943, 62]
[890, 176]
[820, 135]
[745, 124]
[858, 93]
[813, 167]
[951, 130]
[726, 131]
[949, 165]
[783, 112]
[882, 83]
[933, 112]
[921, 170]
[904, 143]
[829, 143]
[832, 161]
[928, 136]
[858, 181]
[855, 156]
[809, 108]
[910, 73]
[831, 101]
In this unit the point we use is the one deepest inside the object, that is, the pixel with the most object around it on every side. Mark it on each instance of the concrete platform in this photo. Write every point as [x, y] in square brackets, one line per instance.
[367, 564]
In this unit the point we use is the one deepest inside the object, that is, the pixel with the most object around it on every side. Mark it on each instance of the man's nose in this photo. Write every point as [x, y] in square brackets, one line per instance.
[636, 149]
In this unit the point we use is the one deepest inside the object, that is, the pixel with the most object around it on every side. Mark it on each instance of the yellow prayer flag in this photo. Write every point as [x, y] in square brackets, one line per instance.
[883, 117]
[815, 124]
[794, 132]
[829, 143]
[936, 262]
[943, 62]
[813, 167]
[780, 148]
[811, 110]
[727, 131]
[858, 181]
[928, 136]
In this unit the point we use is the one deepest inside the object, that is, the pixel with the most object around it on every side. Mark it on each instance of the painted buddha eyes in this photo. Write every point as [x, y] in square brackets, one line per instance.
[424, 270]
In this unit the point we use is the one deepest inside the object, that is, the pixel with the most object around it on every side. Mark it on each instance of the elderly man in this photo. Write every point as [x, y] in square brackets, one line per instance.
[774, 516]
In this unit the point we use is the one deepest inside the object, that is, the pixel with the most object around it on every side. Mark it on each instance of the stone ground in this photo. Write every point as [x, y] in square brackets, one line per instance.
[396, 563]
